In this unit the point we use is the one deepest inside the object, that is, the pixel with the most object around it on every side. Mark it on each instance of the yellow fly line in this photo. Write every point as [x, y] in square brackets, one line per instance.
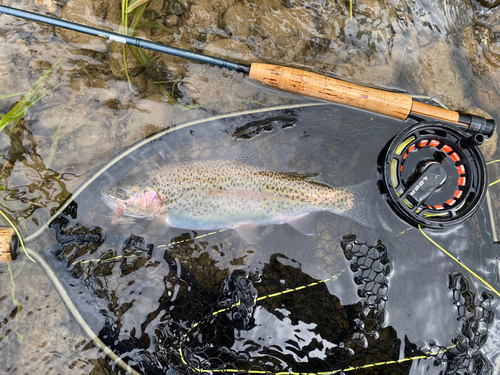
[118, 257]
[491, 162]
[234, 370]
[459, 262]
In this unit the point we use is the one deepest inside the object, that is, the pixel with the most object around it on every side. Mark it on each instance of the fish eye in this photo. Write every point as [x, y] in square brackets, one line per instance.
[122, 193]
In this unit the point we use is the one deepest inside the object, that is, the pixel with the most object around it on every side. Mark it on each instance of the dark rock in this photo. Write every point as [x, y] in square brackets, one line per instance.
[176, 7]
[166, 68]
[150, 15]
[489, 3]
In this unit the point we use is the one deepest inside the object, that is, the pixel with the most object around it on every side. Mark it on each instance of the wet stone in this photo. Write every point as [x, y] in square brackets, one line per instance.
[166, 68]
[80, 12]
[48, 5]
[176, 7]
[150, 15]
[432, 70]
[237, 20]
[489, 3]
[285, 32]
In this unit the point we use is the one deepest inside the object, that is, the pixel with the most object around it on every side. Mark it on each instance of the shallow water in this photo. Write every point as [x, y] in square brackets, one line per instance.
[142, 307]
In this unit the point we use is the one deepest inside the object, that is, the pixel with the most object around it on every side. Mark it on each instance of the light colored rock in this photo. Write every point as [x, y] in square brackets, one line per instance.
[48, 5]
[81, 12]
[238, 20]
[284, 33]
[431, 70]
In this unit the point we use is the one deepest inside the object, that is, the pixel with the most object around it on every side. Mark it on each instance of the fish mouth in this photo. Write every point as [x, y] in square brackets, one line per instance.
[115, 205]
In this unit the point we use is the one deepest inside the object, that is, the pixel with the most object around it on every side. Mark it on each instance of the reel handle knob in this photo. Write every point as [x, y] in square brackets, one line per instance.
[473, 140]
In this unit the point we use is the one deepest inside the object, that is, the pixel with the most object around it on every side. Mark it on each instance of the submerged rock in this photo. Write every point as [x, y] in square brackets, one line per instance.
[238, 20]
[284, 33]
[431, 69]
[489, 3]
[166, 68]
[48, 5]
[80, 12]
[176, 7]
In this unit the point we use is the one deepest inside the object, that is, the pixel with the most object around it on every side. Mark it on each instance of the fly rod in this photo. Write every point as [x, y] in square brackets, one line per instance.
[396, 105]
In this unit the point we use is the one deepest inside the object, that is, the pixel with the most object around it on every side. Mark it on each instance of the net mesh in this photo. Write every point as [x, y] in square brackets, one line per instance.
[277, 319]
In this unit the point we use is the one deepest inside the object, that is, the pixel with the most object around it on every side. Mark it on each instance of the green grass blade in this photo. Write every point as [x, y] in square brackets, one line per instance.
[135, 52]
[137, 17]
[12, 95]
[31, 97]
[55, 140]
[135, 5]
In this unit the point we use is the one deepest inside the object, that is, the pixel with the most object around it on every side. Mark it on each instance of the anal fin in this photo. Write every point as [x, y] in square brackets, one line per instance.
[305, 224]
[248, 233]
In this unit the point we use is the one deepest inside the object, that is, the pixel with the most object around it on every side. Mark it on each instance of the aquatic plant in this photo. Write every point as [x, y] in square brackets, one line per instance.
[135, 8]
[51, 182]
[34, 94]
[171, 99]
[55, 140]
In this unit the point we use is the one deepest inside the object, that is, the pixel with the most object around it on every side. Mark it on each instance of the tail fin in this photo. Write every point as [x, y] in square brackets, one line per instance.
[364, 210]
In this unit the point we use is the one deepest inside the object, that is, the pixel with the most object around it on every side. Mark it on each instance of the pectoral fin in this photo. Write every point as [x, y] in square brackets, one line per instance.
[305, 224]
[159, 226]
[248, 233]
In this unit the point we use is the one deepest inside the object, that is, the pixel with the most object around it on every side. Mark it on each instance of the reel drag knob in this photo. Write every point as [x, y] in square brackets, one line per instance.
[431, 177]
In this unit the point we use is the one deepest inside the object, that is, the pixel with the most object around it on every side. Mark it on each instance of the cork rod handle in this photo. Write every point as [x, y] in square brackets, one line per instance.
[395, 105]
[318, 86]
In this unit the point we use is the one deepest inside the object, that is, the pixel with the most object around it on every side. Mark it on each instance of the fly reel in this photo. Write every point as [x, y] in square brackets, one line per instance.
[434, 174]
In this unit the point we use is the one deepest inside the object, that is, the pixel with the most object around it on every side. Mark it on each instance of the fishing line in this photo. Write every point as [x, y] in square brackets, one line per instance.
[493, 183]
[491, 162]
[459, 262]
[192, 239]
[185, 337]
[226, 370]
[130, 256]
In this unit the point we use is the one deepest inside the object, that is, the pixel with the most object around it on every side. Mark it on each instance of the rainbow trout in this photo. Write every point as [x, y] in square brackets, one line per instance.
[229, 194]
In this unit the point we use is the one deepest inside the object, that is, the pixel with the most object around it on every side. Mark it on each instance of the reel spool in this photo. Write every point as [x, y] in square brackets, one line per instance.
[434, 175]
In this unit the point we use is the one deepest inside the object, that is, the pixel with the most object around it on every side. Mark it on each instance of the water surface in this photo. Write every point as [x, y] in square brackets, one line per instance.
[140, 304]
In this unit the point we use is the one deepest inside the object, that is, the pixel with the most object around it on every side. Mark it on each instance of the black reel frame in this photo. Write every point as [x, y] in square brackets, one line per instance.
[434, 174]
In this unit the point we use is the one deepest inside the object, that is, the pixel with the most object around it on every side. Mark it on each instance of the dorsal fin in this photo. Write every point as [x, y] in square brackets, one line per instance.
[312, 177]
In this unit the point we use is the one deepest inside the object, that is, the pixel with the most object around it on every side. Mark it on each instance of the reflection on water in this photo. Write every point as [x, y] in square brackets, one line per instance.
[144, 293]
